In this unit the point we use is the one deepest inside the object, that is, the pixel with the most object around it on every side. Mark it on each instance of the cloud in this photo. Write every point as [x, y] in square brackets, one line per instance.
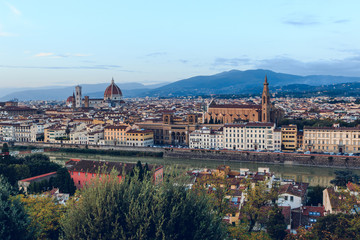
[311, 21]
[232, 62]
[337, 67]
[184, 61]
[301, 22]
[53, 55]
[5, 34]
[13, 9]
[156, 54]
[68, 67]
[341, 21]
[44, 54]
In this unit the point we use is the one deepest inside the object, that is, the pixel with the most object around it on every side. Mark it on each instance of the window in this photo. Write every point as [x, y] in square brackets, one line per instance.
[291, 198]
[286, 198]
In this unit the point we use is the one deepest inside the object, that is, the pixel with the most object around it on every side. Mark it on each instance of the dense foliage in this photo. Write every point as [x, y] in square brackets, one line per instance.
[333, 226]
[45, 216]
[14, 221]
[141, 210]
[315, 195]
[342, 177]
[15, 169]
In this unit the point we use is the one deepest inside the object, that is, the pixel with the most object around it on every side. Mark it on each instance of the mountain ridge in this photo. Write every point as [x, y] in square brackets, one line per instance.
[227, 82]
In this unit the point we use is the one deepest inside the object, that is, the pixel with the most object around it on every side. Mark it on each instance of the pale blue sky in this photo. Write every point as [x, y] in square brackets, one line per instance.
[45, 43]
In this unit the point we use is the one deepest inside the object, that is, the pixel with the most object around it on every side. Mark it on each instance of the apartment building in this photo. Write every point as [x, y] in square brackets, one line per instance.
[332, 139]
[7, 131]
[53, 133]
[289, 137]
[206, 138]
[23, 132]
[115, 135]
[277, 139]
[249, 136]
[139, 138]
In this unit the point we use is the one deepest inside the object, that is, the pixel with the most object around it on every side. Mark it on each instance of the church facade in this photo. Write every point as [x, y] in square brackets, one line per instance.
[230, 113]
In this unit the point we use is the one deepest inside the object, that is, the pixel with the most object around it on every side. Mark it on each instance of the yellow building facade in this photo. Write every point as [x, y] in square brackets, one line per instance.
[289, 137]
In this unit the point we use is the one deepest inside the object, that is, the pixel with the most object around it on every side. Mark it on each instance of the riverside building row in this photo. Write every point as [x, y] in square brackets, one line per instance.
[245, 136]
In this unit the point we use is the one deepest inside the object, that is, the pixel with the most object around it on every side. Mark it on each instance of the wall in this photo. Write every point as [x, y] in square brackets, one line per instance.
[100, 147]
[266, 157]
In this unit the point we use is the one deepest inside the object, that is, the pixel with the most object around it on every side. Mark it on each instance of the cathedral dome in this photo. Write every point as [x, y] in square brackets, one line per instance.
[70, 100]
[113, 92]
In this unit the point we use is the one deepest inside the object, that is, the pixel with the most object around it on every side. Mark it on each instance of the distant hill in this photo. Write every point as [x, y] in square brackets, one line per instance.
[242, 82]
[332, 90]
[230, 82]
[62, 93]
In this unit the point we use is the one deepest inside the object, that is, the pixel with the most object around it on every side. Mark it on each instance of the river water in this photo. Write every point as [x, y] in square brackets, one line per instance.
[313, 175]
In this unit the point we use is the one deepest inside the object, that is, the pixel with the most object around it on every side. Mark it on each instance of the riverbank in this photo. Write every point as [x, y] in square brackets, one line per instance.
[318, 160]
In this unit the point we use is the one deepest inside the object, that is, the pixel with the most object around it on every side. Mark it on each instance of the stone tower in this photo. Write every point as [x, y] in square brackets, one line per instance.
[265, 104]
[78, 97]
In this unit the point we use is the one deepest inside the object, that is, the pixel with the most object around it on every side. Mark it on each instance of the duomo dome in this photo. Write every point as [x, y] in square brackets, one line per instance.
[112, 92]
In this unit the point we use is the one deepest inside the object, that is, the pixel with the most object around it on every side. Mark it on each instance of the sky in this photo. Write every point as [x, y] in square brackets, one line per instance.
[52, 43]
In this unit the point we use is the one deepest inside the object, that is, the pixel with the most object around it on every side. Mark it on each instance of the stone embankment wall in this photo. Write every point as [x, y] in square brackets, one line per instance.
[98, 147]
[267, 157]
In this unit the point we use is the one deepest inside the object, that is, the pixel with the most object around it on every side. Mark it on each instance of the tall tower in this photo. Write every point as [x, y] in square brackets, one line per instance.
[265, 104]
[78, 97]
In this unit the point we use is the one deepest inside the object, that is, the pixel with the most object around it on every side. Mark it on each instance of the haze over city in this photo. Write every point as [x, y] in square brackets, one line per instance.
[66, 43]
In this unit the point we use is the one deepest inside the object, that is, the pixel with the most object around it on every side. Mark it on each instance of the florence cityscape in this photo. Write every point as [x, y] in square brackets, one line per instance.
[180, 120]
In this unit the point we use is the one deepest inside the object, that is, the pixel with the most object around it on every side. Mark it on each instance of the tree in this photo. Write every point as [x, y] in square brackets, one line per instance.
[109, 209]
[315, 195]
[45, 216]
[257, 197]
[343, 177]
[276, 225]
[14, 221]
[217, 187]
[5, 151]
[40, 164]
[64, 182]
[5, 148]
[339, 226]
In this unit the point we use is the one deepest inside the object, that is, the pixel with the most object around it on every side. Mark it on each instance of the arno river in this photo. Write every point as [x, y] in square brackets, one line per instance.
[312, 175]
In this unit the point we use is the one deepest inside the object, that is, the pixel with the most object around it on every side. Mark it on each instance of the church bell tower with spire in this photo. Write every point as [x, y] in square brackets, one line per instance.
[265, 104]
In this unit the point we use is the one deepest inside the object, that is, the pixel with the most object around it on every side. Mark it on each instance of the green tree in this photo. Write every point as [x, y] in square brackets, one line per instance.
[5, 148]
[276, 225]
[109, 209]
[315, 195]
[45, 216]
[40, 164]
[342, 177]
[339, 226]
[64, 182]
[258, 196]
[14, 221]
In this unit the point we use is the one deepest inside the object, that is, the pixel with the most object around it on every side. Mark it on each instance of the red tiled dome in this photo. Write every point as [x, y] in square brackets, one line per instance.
[112, 92]
[69, 100]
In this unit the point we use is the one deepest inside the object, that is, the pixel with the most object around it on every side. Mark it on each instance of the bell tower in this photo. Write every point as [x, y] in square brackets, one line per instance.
[265, 104]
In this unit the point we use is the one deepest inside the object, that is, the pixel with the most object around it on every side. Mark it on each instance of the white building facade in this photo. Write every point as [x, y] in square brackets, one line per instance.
[249, 136]
[206, 138]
